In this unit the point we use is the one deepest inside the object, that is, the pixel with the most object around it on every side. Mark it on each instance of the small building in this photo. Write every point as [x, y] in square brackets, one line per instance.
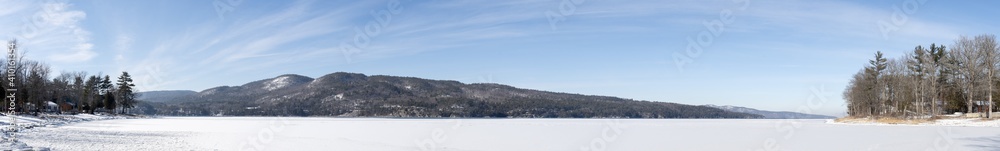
[67, 107]
[979, 109]
[51, 106]
[980, 106]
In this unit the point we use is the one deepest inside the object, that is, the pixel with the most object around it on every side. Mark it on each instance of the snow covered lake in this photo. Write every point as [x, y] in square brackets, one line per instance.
[305, 133]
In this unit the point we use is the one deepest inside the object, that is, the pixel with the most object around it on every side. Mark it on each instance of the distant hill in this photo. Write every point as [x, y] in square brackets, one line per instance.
[358, 95]
[165, 96]
[771, 114]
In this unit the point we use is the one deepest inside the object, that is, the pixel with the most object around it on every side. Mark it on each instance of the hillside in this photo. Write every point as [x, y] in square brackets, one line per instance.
[165, 96]
[771, 114]
[358, 95]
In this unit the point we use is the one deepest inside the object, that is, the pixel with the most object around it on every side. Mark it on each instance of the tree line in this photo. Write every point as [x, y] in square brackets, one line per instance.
[36, 90]
[928, 81]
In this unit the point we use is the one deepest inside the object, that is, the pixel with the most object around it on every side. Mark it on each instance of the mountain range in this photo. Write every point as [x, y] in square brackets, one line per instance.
[165, 95]
[357, 95]
[771, 114]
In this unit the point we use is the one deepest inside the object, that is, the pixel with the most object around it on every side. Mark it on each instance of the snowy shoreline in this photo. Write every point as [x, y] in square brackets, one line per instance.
[957, 122]
[27, 121]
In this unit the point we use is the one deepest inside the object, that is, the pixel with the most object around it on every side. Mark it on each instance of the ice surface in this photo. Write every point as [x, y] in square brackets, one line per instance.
[272, 133]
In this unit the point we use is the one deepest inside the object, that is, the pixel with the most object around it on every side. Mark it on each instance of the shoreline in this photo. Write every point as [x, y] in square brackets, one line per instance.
[938, 121]
[27, 122]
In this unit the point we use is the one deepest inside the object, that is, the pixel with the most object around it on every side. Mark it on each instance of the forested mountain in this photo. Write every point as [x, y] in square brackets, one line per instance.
[165, 96]
[358, 95]
[771, 114]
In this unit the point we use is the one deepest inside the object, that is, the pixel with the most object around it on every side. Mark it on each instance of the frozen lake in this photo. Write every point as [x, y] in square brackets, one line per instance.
[297, 133]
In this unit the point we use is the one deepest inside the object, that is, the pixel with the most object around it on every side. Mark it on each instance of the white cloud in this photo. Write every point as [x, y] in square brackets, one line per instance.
[59, 14]
[123, 43]
[81, 53]
[305, 32]
[48, 31]
[12, 7]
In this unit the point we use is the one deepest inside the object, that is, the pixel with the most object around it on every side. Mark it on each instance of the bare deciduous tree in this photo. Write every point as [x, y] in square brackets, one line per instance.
[928, 82]
[986, 45]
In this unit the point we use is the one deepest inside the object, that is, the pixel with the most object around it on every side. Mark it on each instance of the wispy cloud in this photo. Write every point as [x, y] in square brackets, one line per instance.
[12, 7]
[63, 20]
[51, 31]
[240, 44]
[307, 33]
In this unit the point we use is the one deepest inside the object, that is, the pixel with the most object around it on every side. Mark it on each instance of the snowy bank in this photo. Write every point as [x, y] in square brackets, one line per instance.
[28, 121]
[953, 121]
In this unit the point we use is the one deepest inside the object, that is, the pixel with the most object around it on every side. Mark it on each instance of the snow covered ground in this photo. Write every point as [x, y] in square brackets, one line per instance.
[273, 133]
[971, 122]
[28, 121]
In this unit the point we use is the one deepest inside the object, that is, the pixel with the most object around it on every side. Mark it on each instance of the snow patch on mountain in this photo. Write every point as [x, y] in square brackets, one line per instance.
[277, 83]
[339, 96]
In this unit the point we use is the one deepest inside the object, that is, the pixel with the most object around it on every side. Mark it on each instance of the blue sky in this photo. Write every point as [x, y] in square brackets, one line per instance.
[773, 55]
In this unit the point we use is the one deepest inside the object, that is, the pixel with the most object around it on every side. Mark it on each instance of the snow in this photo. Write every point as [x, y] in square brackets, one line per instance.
[965, 122]
[339, 96]
[29, 121]
[277, 83]
[968, 122]
[8, 145]
[307, 133]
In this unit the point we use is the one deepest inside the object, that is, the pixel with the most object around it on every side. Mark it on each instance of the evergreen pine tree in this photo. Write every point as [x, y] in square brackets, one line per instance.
[125, 92]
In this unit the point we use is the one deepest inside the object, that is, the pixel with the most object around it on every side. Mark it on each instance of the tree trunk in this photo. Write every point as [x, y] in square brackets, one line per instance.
[989, 107]
[989, 100]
